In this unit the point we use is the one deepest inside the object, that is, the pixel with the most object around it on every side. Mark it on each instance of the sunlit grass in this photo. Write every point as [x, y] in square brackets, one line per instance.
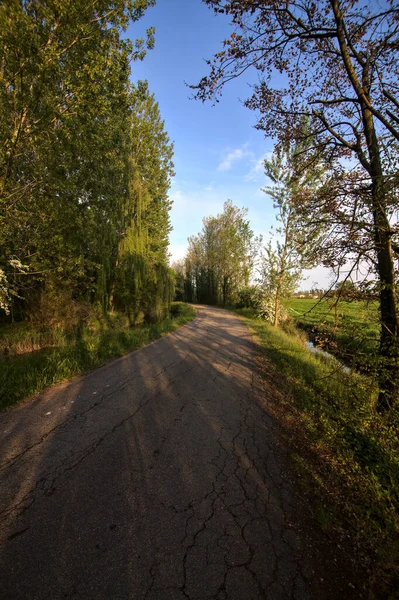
[348, 329]
[355, 452]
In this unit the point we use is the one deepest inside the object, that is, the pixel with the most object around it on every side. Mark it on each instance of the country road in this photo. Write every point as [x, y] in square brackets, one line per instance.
[160, 476]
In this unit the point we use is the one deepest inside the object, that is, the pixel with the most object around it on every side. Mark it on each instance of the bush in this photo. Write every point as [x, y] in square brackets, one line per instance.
[177, 309]
[56, 309]
[289, 327]
[267, 309]
[249, 297]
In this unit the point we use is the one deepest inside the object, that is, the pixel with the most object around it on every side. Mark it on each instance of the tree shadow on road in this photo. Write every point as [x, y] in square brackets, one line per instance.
[161, 475]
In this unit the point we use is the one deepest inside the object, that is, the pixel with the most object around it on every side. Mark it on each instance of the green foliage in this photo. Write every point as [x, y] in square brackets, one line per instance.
[63, 87]
[267, 310]
[103, 338]
[356, 451]
[181, 310]
[22, 338]
[249, 297]
[340, 75]
[85, 168]
[142, 280]
[282, 263]
[276, 275]
[220, 259]
[178, 268]
[347, 290]
[279, 276]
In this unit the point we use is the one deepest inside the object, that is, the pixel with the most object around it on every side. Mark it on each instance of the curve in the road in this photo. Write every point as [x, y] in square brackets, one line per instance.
[159, 476]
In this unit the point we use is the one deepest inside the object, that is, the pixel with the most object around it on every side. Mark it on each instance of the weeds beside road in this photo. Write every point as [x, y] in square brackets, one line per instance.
[24, 375]
[344, 450]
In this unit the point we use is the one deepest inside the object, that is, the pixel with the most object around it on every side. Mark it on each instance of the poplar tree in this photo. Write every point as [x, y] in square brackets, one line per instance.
[64, 80]
[143, 281]
[282, 265]
[221, 257]
[85, 161]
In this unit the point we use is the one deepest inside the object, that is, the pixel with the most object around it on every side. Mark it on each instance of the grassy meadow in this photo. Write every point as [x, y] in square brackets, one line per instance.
[24, 372]
[350, 330]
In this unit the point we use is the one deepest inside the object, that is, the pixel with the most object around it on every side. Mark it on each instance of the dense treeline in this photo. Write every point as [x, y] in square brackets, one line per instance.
[85, 165]
[219, 260]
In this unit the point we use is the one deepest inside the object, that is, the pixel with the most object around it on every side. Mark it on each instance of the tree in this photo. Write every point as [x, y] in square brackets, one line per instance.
[336, 63]
[346, 290]
[236, 250]
[142, 279]
[203, 264]
[221, 257]
[86, 163]
[178, 267]
[282, 267]
[64, 82]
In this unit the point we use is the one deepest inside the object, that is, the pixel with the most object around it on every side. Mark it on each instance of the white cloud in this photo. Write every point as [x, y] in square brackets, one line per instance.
[192, 201]
[234, 156]
[258, 168]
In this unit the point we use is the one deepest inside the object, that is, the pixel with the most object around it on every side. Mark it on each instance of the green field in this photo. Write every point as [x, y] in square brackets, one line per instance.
[350, 330]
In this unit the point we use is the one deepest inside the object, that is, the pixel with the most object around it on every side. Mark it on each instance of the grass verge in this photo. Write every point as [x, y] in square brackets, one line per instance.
[24, 375]
[346, 454]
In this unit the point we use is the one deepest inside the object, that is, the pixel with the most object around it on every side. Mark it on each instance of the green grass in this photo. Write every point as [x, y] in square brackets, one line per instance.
[98, 342]
[22, 338]
[350, 330]
[348, 454]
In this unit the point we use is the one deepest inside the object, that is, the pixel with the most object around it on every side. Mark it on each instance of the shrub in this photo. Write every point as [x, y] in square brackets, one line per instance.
[249, 297]
[56, 309]
[266, 310]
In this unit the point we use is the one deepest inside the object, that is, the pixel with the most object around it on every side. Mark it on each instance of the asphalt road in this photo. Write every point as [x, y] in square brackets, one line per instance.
[160, 476]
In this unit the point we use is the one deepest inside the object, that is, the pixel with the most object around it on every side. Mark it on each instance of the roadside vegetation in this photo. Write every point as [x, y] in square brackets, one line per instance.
[219, 260]
[344, 446]
[345, 452]
[100, 339]
[85, 174]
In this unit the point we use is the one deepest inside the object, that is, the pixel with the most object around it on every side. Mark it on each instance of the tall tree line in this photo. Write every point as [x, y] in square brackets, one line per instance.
[220, 259]
[85, 161]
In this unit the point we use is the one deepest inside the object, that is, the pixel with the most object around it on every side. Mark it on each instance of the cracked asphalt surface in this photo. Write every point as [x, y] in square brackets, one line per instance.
[160, 476]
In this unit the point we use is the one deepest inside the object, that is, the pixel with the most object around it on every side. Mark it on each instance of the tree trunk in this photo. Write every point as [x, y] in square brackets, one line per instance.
[225, 284]
[388, 373]
[278, 290]
[276, 307]
[282, 270]
[388, 349]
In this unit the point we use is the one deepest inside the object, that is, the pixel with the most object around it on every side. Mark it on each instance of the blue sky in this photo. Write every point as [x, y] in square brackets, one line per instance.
[218, 153]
